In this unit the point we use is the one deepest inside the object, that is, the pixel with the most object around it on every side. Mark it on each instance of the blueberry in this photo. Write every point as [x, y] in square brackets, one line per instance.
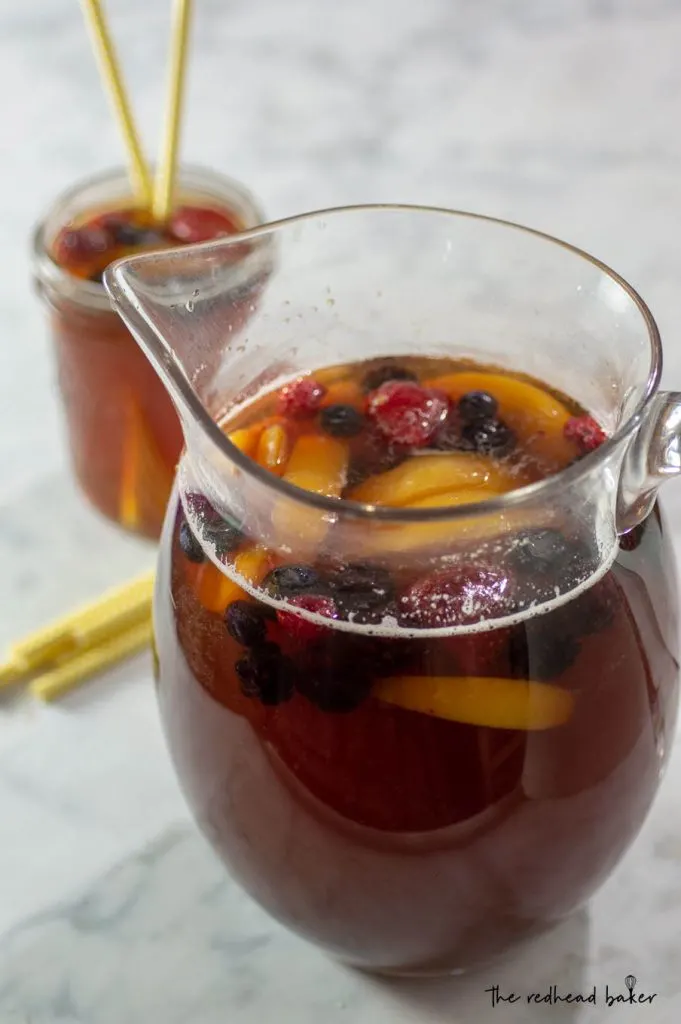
[224, 535]
[125, 232]
[388, 371]
[333, 686]
[292, 580]
[265, 674]
[189, 545]
[490, 437]
[245, 623]
[341, 420]
[362, 592]
[477, 406]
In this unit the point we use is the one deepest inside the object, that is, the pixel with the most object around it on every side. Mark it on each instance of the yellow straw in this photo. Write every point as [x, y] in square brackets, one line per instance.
[72, 673]
[80, 631]
[164, 184]
[113, 83]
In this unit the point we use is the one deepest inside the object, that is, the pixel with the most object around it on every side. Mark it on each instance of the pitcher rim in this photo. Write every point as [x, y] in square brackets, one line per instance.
[116, 284]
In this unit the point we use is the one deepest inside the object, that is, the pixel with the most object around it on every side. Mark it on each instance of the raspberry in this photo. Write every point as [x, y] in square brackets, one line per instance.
[585, 432]
[304, 629]
[192, 224]
[456, 596]
[301, 397]
[407, 413]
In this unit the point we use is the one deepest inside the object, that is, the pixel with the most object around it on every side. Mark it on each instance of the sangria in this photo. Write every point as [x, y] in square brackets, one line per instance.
[416, 632]
[125, 438]
[383, 774]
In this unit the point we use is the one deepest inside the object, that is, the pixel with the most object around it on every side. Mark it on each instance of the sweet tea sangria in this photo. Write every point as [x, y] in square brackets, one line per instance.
[416, 633]
[125, 438]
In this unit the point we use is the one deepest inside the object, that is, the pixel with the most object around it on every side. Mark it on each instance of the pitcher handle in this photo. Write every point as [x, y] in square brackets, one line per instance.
[653, 455]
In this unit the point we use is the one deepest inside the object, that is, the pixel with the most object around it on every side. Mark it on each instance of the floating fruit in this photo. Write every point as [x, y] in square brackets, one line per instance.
[301, 398]
[215, 590]
[319, 464]
[273, 447]
[425, 475]
[585, 432]
[407, 413]
[341, 420]
[534, 415]
[458, 595]
[343, 392]
[484, 701]
[246, 439]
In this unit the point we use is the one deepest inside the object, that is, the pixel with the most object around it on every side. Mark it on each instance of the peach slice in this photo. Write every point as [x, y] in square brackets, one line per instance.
[246, 439]
[481, 526]
[343, 392]
[273, 448]
[318, 464]
[485, 701]
[215, 590]
[535, 415]
[424, 475]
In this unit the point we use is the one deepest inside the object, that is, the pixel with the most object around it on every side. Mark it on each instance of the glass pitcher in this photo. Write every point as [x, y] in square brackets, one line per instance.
[406, 816]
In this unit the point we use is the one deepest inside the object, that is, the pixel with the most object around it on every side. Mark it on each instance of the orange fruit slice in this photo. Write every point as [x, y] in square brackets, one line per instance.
[425, 475]
[491, 702]
[215, 590]
[273, 447]
[536, 416]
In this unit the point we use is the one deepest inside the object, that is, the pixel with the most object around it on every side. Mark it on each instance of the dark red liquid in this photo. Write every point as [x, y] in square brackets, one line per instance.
[403, 841]
[124, 435]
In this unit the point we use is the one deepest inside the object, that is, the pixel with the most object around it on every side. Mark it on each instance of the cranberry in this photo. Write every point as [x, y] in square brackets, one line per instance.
[194, 224]
[305, 629]
[407, 413]
[585, 432]
[301, 397]
[457, 596]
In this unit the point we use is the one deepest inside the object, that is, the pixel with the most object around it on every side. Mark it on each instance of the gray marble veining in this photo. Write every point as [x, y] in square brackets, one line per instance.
[563, 115]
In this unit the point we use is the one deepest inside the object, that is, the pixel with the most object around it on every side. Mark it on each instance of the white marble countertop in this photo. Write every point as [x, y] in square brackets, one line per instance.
[563, 115]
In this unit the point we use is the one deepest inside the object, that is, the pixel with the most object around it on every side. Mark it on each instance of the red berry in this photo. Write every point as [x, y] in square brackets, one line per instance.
[301, 397]
[195, 224]
[407, 413]
[585, 432]
[305, 629]
[79, 245]
[457, 596]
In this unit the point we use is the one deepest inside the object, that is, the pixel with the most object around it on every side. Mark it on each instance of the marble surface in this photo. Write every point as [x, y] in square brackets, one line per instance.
[563, 115]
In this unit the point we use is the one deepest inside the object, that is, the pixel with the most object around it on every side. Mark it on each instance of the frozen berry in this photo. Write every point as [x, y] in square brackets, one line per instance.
[490, 437]
[225, 535]
[585, 432]
[476, 406]
[189, 545]
[78, 245]
[201, 507]
[306, 629]
[126, 233]
[388, 371]
[266, 675]
[190, 224]
[363, 593]
[341, 420]
[301, 397]
[246, 623]
[292, 580]
[407, 413]
[458, 595]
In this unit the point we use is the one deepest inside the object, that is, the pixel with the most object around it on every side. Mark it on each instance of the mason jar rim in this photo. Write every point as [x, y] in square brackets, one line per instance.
[195, 182]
